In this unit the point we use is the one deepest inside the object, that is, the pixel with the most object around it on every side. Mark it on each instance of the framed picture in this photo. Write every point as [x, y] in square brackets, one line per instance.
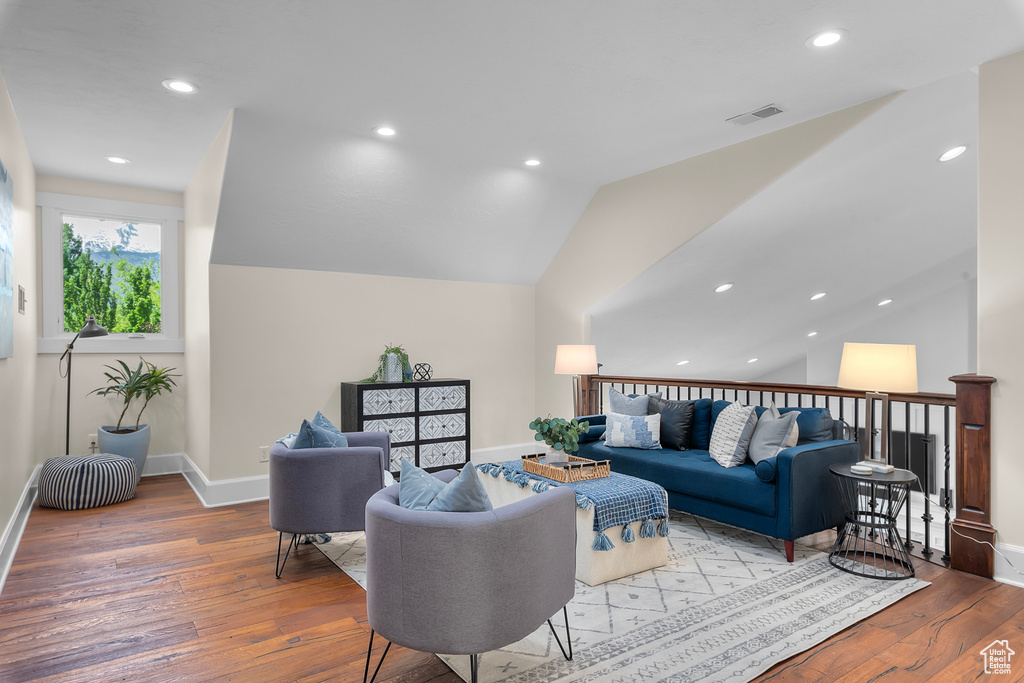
[6, 264]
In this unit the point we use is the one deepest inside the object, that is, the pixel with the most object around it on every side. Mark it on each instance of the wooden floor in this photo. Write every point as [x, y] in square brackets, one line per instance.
[159, 588]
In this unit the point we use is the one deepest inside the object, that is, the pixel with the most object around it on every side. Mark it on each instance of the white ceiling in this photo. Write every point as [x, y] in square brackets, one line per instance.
[872, 216]
[597, 91]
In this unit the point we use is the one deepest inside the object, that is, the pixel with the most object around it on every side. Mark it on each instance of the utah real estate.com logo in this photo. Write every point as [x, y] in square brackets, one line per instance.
[997, 657]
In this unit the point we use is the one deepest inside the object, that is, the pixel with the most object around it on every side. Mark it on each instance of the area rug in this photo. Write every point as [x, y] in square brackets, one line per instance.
[726, 607]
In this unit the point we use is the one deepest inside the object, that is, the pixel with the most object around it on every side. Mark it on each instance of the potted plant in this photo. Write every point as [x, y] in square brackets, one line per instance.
[142, 383]
[562, 435]
[392, 366]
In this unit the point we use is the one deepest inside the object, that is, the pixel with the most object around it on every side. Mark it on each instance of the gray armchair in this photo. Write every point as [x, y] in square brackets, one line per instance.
[320, 490]
[468, 582]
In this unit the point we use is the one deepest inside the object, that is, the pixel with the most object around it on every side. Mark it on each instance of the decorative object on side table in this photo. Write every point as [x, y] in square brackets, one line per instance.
[90, 329]
[422, 372]
[576, 360]
[392, 366]
[560, 434]
[144, 382]
[869, 544]
[878, 369]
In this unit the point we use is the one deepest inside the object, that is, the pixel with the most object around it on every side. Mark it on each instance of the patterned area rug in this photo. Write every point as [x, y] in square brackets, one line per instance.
[726, 607]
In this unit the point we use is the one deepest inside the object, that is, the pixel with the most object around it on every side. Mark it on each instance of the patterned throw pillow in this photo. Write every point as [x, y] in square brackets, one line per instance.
[315, 433]
[731, 437]
[634, 431]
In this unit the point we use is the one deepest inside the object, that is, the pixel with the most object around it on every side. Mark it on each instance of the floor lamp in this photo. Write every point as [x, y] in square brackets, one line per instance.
[878, 368]
[576, 360]
[90, 329]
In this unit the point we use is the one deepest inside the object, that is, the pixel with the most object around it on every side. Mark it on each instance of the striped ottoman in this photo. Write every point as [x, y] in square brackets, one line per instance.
[86, 481]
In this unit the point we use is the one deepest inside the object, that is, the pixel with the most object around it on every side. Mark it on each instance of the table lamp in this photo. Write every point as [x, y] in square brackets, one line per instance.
[576, 360]
[878, 369]
[90, 329]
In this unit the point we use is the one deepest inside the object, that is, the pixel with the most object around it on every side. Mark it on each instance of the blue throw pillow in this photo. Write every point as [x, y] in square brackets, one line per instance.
[420, 491]
[312, 436]
[634, 431]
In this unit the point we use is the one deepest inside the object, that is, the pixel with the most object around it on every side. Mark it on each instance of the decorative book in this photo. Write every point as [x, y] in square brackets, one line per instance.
[877, 465]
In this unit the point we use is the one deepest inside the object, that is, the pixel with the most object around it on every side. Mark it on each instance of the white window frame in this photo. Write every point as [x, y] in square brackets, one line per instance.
[55, 339]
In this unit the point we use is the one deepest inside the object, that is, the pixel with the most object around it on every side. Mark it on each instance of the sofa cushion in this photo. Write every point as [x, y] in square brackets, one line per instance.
[773, 432]
[676, 421]
[766, 470]
[815, 424]
[731, 436]
[628, 405]
[700, 435]
[691, 473]
[634, 431]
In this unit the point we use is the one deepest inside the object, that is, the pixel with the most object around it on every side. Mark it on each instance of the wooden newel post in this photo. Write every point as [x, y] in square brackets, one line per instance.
[589, 396]
[973, 477]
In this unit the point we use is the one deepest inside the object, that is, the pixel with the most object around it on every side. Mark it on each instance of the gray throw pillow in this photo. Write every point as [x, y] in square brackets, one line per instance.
[733, 429]
[628, 405]
[774, 432]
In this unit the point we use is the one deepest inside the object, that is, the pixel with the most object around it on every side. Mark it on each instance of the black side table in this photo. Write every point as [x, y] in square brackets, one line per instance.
[869, 543]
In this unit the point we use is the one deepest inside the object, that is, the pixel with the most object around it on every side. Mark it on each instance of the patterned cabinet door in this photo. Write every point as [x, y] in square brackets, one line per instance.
[400, 453]
[443, 426]
[400, 428]
[443, 398]
[388, 401]
[438, 454]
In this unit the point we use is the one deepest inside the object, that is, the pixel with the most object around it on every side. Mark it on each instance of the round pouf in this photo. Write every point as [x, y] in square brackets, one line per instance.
[86, 481]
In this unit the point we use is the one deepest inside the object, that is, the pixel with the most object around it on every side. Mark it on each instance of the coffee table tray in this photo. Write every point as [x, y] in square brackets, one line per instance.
[579, 469]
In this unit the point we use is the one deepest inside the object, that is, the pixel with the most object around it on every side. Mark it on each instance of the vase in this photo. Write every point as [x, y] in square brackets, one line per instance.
[134, 445]
[392, 368]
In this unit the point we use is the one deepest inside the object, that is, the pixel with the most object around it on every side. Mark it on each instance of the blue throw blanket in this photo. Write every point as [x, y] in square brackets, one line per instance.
[617, 500]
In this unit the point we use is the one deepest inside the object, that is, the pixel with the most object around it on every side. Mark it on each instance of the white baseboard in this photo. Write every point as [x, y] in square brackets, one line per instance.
[1003, 571]
[503, 453]
[224, 491]
[16, 527]
[169, 463]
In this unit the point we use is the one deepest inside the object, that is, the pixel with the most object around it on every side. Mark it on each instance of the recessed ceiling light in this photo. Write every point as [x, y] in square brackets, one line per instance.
[826, 38]
[722, 288]
[180, 86]
[386, 131]
[117, 160]
[953, 153]
[817, 296]
[812, 334]
[885, 302]
[752, 360]
[682, 362]
[532, 162]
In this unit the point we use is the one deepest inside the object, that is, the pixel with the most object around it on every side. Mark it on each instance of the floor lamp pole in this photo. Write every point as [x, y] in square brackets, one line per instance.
[67, 411]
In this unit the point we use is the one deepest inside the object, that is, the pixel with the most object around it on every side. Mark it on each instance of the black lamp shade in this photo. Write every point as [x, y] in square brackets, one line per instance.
[91, 329]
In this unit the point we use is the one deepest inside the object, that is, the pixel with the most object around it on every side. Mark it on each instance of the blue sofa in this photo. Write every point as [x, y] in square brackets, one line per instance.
[786, 497]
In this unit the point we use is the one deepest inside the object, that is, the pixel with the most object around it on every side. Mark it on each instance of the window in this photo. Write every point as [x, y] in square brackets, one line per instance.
[115, 260]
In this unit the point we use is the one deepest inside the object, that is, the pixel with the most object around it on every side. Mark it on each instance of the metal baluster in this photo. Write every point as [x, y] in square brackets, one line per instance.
[929, 447]
[799, 400]
[906, 441]
[946, 501]
[888, 435]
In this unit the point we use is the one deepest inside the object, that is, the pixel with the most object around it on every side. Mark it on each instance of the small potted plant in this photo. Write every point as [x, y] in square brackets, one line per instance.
[562, 435]
[144, 382]
[392, 366]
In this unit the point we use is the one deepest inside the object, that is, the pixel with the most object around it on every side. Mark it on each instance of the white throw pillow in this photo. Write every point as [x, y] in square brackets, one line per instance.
[774, 432]
[634, 431]
[731, 437]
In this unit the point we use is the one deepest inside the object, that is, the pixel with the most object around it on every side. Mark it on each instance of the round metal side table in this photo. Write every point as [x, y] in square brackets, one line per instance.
[869, 543]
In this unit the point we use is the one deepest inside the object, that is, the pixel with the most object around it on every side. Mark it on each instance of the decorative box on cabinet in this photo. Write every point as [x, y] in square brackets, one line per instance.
[428, 421]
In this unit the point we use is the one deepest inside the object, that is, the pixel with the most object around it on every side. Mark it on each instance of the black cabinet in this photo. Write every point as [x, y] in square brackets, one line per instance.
[428, 421]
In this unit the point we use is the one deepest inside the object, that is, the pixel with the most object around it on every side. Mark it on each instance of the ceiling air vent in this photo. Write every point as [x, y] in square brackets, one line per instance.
[750, 117]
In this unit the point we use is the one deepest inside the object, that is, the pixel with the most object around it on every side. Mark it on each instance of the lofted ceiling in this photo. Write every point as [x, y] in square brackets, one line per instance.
[872, 216]
[597, 91]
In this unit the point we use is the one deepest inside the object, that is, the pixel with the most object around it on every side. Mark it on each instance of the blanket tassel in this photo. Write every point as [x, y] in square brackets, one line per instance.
[602, 542]
[627, 534]
[663, 527]
[647, 529]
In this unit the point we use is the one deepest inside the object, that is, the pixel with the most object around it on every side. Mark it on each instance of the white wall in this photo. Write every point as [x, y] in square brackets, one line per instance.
[633, 223]
[18, 452]
[165, 415]
[202, 203]
[282, 341]
[1001, 283]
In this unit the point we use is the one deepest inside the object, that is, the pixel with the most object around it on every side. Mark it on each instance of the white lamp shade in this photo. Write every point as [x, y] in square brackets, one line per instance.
[889, 368]
[576, 359]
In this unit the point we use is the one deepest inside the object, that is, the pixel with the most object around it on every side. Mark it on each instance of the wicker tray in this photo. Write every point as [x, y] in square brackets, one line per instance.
[579, 469]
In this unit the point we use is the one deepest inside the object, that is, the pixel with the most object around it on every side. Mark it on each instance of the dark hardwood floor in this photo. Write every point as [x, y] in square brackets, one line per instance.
[160, 589]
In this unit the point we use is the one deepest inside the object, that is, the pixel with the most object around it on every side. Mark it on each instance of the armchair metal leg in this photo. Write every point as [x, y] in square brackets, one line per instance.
[369, 649]
[568, 636]
[292, 543]
[474, 667]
